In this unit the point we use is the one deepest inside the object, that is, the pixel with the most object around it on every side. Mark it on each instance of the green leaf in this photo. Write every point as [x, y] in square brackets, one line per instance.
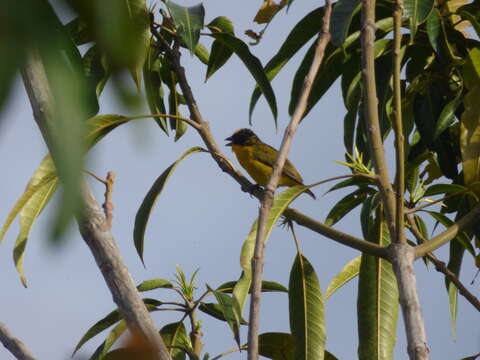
[29, 214]
[353, 181]
[349, 271]
[112, 338]
[276, 346]
[447, 116]
[417, 11]
[307, 321]
[377, 304]
[153, 87]
[474, 357]
[226, 304]
[101, 125]
[301, 33]
[267, 286]
[175, 335]
[434, 29]
[253, 65]
[215, 311]
[153, 284]
[470, 124]
[188, 22]
[202, 53]
[342, 15]
[446, 189]
[79, 31]
[32, 188]
[143, 213]
[345, 205]
[220, 53]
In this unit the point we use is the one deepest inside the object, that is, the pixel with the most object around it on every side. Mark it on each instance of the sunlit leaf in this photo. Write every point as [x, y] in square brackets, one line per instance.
[470, 124]
[307, 321]
[188, 22]
[175, 336]
[267, 286]
[267, 11]
[226, 304]
[349, 271]
[143, 213]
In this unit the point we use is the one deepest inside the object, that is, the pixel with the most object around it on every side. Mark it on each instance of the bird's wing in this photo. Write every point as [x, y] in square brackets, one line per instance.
[288, 169]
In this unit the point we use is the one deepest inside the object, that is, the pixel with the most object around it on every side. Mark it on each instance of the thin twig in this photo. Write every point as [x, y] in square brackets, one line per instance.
[230, 352]
[14, 345]
[267, 200]
[441, 267]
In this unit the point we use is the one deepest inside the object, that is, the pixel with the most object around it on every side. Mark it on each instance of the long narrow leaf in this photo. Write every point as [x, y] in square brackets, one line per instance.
[307, 321]
[349, 271]
[143, 213]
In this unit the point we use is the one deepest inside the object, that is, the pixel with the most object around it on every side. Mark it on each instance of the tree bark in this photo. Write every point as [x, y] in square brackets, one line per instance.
[14, 345]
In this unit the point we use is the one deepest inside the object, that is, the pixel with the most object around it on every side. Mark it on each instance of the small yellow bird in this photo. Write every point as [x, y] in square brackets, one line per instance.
[257, 158]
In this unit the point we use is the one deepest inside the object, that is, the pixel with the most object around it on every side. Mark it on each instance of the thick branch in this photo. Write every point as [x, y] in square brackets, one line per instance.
[449, 234]
[267, 200]
[14, 345]
[371, 112]
[93, 226]
[402, 257]
[398, 124]
[336, 235]
[441, 267]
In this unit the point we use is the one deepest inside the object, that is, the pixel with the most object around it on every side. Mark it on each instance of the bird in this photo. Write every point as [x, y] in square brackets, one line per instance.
[257, 158]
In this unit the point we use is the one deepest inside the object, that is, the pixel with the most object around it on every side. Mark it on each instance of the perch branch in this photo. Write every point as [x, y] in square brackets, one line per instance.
[14, 345]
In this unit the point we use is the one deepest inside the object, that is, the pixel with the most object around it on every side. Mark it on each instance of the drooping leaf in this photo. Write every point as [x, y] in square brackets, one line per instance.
[447, 116]
[307, 321]
[268, 10]
[215, 311]
[220, 53]
[188, 22]
[417, 11]
[153, 284]
[377, 304]
[253, 65]
[79, 31]
[202, 53]
[226, 304]
[342, 15]
[446, 189]
[349, 271]
[112, 337]
[470, 124]
[434, 29]
[96, 69]
[143, 213]
[153, 87]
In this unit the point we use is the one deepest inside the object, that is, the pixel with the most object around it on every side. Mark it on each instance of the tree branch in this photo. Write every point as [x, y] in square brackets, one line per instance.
[93, 226]
[267, 200]
[441, 267]
[449, 234]
[14, 345]
[371, 112]
[398, 124]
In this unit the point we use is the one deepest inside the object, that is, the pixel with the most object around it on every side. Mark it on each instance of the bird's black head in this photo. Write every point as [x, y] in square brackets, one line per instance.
[243, 137]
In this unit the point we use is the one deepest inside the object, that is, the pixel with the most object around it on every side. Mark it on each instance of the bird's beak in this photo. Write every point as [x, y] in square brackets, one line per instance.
[229, 139]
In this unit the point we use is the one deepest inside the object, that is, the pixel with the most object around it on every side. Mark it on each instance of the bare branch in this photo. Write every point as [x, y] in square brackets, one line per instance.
[449, 234]
[398, 124]
[93, 226]
[267, 200]
[371, 112]
[14, 345]
[441, 267]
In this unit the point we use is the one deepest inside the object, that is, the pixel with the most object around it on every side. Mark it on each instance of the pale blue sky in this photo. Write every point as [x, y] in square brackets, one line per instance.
[201, 219]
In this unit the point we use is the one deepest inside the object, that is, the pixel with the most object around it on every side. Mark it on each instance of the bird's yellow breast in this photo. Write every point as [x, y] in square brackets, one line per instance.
[259, 171]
